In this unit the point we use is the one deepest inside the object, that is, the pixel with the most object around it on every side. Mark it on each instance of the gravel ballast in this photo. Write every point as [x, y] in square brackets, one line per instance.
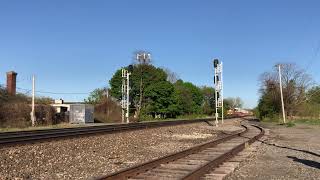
[289, 153]
[93, 156]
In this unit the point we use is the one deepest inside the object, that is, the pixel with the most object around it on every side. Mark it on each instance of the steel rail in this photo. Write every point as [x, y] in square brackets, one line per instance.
[22, 137]
[133, 171]
[194, 175]
[139, 169]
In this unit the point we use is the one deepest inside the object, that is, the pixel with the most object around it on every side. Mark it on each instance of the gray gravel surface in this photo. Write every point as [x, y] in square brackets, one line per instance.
[289, 153]
[93, 156]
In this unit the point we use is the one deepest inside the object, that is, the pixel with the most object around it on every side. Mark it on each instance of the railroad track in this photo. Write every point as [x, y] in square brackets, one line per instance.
[192, 163]
[23, 137]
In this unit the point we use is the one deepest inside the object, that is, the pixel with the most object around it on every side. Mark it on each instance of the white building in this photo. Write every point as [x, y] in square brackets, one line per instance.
[78, 113]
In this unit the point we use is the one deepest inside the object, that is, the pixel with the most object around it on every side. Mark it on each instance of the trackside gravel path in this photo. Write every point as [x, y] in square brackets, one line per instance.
[289, 153]
[87, 157]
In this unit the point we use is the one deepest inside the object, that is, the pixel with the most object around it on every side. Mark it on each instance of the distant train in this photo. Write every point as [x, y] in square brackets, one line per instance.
[238, 112]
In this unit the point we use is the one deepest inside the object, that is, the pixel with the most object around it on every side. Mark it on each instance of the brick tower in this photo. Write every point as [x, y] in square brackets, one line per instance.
[11, 82]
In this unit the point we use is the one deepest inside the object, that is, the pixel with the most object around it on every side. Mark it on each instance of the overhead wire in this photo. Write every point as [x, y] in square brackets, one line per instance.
[314, 56]
[29, 91]
[48, 92]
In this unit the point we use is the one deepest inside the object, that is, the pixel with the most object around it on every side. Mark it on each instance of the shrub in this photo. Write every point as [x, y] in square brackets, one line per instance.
[45, 115]
[107, 111]
[15, 115]
[15, 111]
[290, 124]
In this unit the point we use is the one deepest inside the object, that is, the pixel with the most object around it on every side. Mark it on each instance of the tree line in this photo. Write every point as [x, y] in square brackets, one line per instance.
[301, 95]
[159, 93]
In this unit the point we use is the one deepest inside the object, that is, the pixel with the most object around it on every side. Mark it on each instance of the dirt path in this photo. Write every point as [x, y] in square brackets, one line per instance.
[289, 153]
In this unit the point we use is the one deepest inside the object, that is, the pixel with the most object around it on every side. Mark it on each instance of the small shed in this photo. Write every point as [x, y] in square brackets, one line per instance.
[81, 113]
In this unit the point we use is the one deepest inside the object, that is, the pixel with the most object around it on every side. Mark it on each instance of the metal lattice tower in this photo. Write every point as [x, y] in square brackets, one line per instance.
[218, 84]
[125, 90]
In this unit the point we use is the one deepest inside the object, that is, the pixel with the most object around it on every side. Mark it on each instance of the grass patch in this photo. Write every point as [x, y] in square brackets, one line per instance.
[290, 124]
[62, 125]
[193, 116]
[314, 122]
[277, 121]
[184, 117]
[271, 120]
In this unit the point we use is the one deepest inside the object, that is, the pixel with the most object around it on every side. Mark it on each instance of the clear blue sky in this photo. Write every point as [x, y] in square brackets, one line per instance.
[75, 46]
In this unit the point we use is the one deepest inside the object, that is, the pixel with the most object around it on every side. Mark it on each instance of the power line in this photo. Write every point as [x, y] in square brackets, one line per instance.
[27, 91]
[48, 92]
[308, 96]
[314, 56]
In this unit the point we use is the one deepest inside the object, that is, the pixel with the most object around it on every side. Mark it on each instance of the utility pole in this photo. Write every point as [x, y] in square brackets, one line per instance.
[218, 83]
[281, 93]
[33, 117]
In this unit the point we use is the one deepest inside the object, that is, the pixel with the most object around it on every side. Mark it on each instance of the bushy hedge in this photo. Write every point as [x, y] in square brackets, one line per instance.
[15, 111]
[18, 115]
[15, 115]
[107, 111]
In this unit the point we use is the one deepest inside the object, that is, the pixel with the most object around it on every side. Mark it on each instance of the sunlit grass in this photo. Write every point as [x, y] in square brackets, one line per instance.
[290, 124]
[62, 125]
[308, 121]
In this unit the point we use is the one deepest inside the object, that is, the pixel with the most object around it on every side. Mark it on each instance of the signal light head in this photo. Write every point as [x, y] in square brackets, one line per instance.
[215, 62]
[130, 68]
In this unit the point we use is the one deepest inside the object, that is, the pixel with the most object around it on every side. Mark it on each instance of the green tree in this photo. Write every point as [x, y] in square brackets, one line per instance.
[268, 107]
[234, 102]
[116, 84]
[313, 95]
[295, 82]
[189, 97]
[311, 108]
[147, 73]
[96, 96]
[160, 99]
[208, 106]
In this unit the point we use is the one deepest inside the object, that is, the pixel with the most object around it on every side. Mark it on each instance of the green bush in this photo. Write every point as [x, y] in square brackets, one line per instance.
[308, 121]
[15, 115]
[290, 124]
[15, 111]
[271, 118]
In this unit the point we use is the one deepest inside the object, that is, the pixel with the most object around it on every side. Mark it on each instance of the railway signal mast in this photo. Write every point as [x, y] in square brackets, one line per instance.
[125, 101]
[218, 84]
